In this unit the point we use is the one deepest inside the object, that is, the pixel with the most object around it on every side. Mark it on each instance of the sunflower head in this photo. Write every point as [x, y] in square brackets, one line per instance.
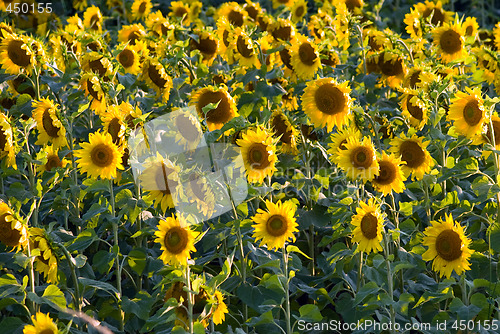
[100, 157]
[467, 112]
[258, 149]
[49, 126]
[414, 108]
[207, 44]
[13, 233]
[131, 33]
[327, 102]
[176, 240]
[448, 247]
[50, 159]
[449, 42]
[93, 88]
[282, 30]
[17, 54]
[46, 262]
[304, 57]
[369, 224]
[282, 128]
[92, 19]
[413, 151]
[225, 110]
[219, 308]
[390, 177]
[339, 139]
[141, 9]
[276, 225]
[8, 147]
[42, 324]
[156, 76]
[358, 159]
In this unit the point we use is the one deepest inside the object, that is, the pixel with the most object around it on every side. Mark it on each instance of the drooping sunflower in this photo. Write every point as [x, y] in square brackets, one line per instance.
[339, 139]
[448, 247]
[244, 48]
[467, 112]
[207, 44]
[494, 138]
[392, 67]
[46, 261]
[305, 58]
[180, 11]
[49, 126]
[114, 123]
[234, 13]
[159, 25]
[176, 240]
[140, 9]
[449, 42]
[226, 108]
[92, 19]
[369, 225]
[91, 84]
[413, 24]
[50, 159]
[7, 143]
[359, 159]
[188, 132]
[258, 149]
[390, 177]
[219, 308]
[327, 102]
[131, 33]
[13, 233]
[224, 33]
[42, 324]
[97, 63]
[413, 151]
[99, 157]
[276, 225]
[253, 9]
[155, 75]
[16, 55]
[414, 108]
[160, 179]
[487, 64]
[282, 30]
[287, 133]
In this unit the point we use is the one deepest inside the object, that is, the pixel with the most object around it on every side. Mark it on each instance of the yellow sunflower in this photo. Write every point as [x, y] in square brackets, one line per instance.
[97, 63]
[155, 75]
[359, 159]
[414, 109]
[275, 226]
[42, 324]
[390, 177]
[188, 132]
[176, 240]
[259, 154]
[113, 121]
[46, 261]
[207, 44]
[130, 58]
[282, 30]
[92, 19]
[244, 48]
[339, 139]
[413, 151]
[219, 313]
[471, 27]
[448, 247]
[50, 159]
[131, 33]
[50, 128]
[253, 9]
[99, 157]
[287, 133]
[160, 179]
[180, 11]
[327, 102]
[369, 224]
[487, 64]
[467, 112]
[199, 191]
[225, 36]
[299, 10]
[7, 142]
[234, 13]
[16, 55]
[495, 137]
[158, 24]
[226, 106]
[392, 67]
[433, 11]
[496, 33]
[286, 3]
[140, 9]
[13, 233]
[305, 58]
[91, 84]
[449, 42]
[413, 24]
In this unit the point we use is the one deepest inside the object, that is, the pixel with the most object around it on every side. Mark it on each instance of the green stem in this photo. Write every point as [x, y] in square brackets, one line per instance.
[287, 292]
[72, 268]
[189, 298]
[310, 239]
[360, 271]
[33, 307]
[117, 260]
[389, 279]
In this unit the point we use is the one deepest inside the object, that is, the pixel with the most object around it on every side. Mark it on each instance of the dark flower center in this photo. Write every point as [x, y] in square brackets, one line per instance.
[102, 155]
[412, 154]
[18, 55]
[258, 156]
[361, 157]
[176, 240]
[387, 173]
[450, 42]
[329, 99]
[276, 225]
[472, 114]
[307, 54]
[369, 226]
[449, 245]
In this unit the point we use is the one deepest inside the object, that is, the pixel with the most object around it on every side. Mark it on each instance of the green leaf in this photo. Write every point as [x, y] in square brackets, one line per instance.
[94, 211]
[464, 312]
[80, 260]
[293, 248]
[82, 241]
[140, 306]
[136, 259]
[55, 295]
[370, 288]
[265, 318]
[495, 238]
[103, 261]
[310, 313]
[99, 285]
[13, 325]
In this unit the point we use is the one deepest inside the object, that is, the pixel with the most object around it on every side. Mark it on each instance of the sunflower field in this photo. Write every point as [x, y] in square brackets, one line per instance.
[249, 167]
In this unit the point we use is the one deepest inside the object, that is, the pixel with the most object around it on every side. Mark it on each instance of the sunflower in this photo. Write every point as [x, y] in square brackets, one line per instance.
[97, 63]
[327, 102]
[153, 72]
[207, 44]
[131, 33]
[275, 226]
[286, 3]
[224, 34]
[130, 58]
[299, 10]
[339, 139]
[467, 112]
[91, 84]
[46, 261]
[114, 123]
[187, 129]
[7, 142]
[487, 64]
[50, 128]
[369, 224]
[413, 151]
[42, 324]
[390, 177]
[160, 179]
[218, 314]
[254, 9]
[471, 27]
[496, 34]
[305, 58]
[50, 159]
[413, 25]
[99, 157]
[158, 24]
[13, 232]
[140, 9]
[176, 240]
[226, 106]
[234, 13]
[282, 30]
[434, 12]
[16, 55]
[258, 149]
[359, 159]
[244, 49]
[414, 108]
[199, 191]
[285, 131]
[449, 42]
[448, 247]
[392, 67]
[180, 11]
[494, 139]
[92, 19]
